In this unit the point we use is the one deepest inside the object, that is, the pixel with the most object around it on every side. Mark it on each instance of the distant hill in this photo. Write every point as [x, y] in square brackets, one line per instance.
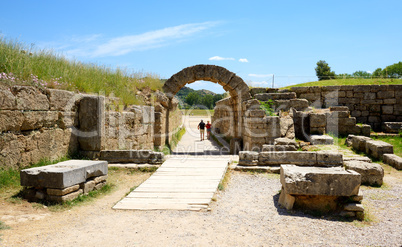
[184, 91]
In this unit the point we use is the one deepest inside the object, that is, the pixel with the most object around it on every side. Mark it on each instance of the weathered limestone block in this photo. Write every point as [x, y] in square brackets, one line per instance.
[328, 159]
[275, 96]
[67, 197]
[257, 90]
[7, 100]
[30, 98]
[271, 148]
[61, 100]
[334, 181]
[287, 127]
[162, 99]
[285, 141]
[67, 119]
[299, 104]
[359, 143]
[248, 158]
[38, 119]
[287, 201]
[392, 127]
[63, 174]
[91, 118]
[378, 148]
[318, 120]
[371, 173]
[393, 160]
[11, 120]
[291, 157]
[88, 186]
[321, 140]
[62, 192]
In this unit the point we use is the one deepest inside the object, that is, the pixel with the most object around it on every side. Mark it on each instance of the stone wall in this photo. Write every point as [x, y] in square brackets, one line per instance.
[369, 104]
[48, 123]
[36, 124]
[163, 129]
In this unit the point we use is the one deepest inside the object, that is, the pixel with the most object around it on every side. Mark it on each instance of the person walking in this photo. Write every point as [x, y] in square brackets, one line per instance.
[208, 126]
[201, 127]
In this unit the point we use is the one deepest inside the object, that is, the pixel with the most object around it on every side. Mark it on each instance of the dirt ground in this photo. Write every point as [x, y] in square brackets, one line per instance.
[246, 213]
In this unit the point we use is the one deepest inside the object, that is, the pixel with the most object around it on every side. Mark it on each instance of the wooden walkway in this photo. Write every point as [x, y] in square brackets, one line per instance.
[182, 183]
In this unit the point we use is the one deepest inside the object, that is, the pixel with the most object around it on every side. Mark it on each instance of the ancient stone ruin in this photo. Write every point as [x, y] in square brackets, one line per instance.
[63, 181]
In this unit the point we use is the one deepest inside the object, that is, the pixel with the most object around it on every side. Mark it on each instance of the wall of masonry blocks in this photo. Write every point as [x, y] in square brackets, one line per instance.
[50, 123]
[369, 104]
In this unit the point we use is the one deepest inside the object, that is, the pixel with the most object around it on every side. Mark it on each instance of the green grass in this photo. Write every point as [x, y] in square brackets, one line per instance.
[176, 137]
[10, 177]
[198, 112]
[21, 64]
[396, 141]
[350, 81]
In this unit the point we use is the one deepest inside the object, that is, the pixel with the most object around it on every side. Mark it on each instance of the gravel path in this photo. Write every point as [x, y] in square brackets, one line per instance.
[245, 214]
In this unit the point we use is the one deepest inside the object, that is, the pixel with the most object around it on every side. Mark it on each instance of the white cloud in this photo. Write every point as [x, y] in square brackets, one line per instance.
[368, 71]
[260, 75]
[94, 47]
[243, 60]
[258, 84]
[218, 58]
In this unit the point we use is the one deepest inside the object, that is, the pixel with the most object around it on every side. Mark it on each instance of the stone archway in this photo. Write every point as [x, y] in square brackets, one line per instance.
[237, 88]
[232, 83]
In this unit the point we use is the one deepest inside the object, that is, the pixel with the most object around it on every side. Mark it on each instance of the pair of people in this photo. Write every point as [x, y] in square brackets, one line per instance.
[202, 126]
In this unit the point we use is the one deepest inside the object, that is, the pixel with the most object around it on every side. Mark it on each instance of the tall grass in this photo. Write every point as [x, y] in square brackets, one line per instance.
[22, 64]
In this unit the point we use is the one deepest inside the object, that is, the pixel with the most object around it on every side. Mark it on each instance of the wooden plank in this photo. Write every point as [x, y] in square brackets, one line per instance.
[189, 185]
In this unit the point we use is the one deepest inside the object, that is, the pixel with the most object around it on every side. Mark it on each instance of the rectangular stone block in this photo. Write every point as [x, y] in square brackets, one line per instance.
[64, 174]
[393, 160]
[371, 173]
[62, 192]
[359, 143]
[329, 159]
[378, 148]
[67, 197]
[321, 140]
[289, 157]
[328, 181]
[88, 186]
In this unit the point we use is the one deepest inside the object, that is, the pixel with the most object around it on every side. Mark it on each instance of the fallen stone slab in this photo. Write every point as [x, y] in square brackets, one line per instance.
[248, 158]
[393, 160]
[64, 174]
[392, 127]
[359, 142]
[321, 140]
[371, 173]
[285, 141]
[327, 181]
[357, 157]
[377, 149]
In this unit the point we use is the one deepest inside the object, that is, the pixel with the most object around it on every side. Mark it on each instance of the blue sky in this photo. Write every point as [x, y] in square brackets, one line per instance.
[254, 39]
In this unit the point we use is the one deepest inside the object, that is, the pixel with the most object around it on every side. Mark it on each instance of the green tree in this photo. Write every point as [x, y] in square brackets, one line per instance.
[362, 74]
[378, 73]
[394, 71]
[323, 71]
[193, 98]
[208, 101]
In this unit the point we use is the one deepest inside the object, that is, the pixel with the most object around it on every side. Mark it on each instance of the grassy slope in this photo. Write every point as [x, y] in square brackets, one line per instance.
[22, 65]
[351, 81]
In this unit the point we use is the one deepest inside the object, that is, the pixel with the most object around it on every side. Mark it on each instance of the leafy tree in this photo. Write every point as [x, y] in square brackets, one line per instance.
[323, 71]
[344, 76]
[378, 73]
[394, 71]
[193, 98]
[362, 74]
